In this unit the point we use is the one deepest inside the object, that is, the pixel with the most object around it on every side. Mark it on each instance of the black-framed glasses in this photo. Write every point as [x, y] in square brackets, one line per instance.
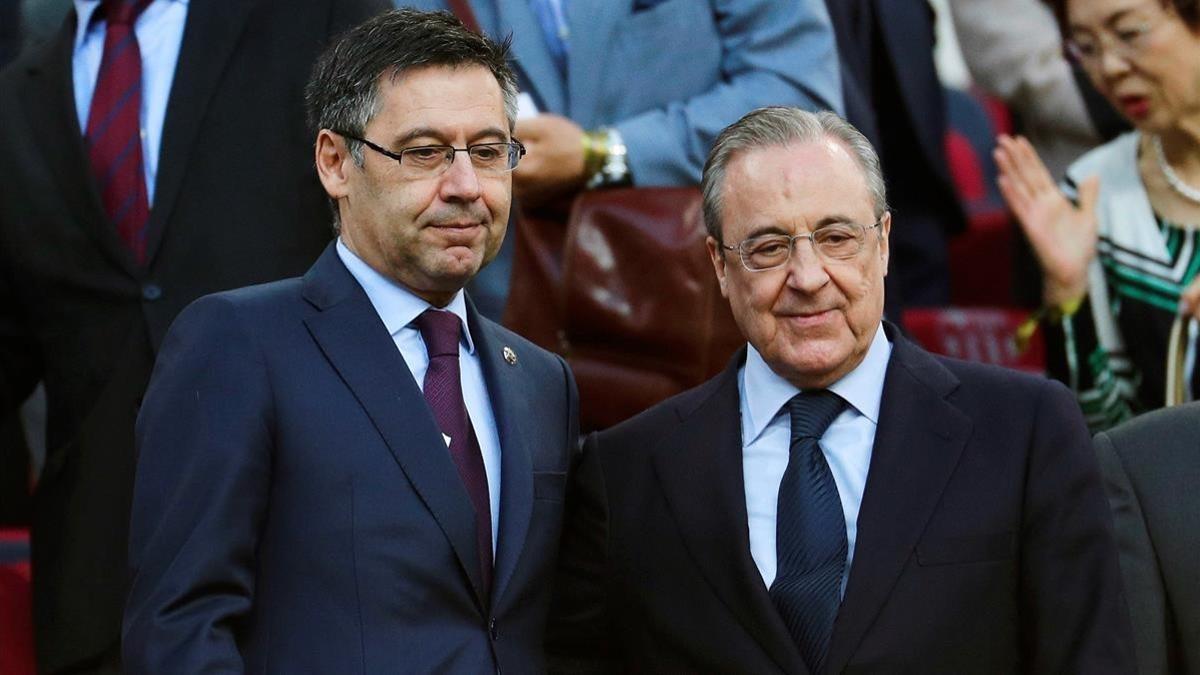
[835, 242]
[433, 160]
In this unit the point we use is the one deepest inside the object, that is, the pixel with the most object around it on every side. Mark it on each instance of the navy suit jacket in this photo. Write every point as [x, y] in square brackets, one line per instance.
[295, 508]
[984, 542]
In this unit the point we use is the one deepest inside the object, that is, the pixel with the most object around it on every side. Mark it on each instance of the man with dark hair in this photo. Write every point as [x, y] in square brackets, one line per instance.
[154, 152]
[353, 471]
[837, 500]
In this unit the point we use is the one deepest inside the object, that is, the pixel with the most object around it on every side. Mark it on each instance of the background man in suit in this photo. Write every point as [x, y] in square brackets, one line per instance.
[876, 508]
[1151, 469]
[650, 82]
[330, 465]
[155, 152]
[894, 97]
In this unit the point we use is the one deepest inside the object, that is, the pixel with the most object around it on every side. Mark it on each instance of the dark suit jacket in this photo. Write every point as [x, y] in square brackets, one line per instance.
[984, 544]
[296, 510]
[1151, 468]
[893, 95]
[237, 202]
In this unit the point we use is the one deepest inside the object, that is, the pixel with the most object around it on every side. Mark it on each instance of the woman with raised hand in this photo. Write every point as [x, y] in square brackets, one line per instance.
[1119, 242]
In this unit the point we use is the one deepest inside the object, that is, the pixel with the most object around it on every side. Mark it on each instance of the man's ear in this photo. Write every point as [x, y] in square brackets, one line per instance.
[333, 163]
[885, 229]
[717, 255]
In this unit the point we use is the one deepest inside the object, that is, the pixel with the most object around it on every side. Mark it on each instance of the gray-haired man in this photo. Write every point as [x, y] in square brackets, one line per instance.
[837, 500]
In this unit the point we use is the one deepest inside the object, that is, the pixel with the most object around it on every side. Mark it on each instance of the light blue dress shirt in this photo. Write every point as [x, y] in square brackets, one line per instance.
[159, 30]
[767, 436]
[398, 307]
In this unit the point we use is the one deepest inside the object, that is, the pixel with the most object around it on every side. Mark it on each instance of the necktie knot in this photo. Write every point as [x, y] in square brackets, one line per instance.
[122, 12]
[813, 411]
[440, 330]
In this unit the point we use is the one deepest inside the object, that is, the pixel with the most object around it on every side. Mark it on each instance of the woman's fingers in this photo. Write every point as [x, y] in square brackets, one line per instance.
[1189, 300]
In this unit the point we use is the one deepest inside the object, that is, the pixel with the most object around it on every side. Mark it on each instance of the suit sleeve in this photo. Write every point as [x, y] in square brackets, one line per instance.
[578, 635]
[200, 494]
[1139, 563]
[1074, 616]
[774, 53]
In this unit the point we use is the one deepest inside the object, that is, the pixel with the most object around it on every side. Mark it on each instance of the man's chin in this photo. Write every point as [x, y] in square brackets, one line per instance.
[809, 363]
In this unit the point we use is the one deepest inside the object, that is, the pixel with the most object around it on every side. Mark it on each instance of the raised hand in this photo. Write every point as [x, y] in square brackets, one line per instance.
[1062, 234]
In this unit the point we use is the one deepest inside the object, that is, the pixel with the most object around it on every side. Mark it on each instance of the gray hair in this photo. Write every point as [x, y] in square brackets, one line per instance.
[342, 94]
[778, 126]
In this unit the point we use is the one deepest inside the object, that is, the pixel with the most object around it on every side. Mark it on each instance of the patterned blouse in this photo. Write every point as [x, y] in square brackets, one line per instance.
[1113, 351]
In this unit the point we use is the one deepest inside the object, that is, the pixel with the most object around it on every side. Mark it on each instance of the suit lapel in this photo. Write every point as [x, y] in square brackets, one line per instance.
[917, 446]
[531, 55]
[591, 23]
[209, 38]
[353, 338]
[507, 390]
[50, 108]
[700, 467]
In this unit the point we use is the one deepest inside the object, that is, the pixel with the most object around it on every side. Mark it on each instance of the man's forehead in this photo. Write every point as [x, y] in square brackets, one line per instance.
[448, 99]
[796, 158]
[809, 179]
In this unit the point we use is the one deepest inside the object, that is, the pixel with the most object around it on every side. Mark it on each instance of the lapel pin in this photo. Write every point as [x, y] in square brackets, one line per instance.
[510, 356]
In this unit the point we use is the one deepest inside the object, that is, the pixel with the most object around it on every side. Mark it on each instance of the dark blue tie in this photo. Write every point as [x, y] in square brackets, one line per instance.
[810, 531]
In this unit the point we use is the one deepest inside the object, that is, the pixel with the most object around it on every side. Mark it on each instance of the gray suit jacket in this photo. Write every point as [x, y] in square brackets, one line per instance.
[1151, 468]
[671, 74]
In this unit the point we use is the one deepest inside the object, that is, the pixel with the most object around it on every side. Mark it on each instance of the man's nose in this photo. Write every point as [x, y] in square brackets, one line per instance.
[460, 182]
[806, 269]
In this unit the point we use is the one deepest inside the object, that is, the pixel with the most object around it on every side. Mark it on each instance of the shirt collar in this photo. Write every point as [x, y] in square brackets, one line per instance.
[85, 10]
[394, 303]
[764, 392]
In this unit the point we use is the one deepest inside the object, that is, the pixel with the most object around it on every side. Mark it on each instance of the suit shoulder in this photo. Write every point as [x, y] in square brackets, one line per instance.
[1164, 434]
[994, 380]
[250, 306]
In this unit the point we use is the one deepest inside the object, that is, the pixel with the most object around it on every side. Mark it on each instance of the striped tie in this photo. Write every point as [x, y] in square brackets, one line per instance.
[113, 130]
[810, 531]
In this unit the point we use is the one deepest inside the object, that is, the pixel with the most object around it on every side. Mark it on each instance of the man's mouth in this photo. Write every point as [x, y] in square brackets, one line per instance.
[809, 318]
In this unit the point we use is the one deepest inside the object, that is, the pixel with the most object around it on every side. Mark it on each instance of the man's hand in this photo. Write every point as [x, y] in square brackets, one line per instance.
[553, 163]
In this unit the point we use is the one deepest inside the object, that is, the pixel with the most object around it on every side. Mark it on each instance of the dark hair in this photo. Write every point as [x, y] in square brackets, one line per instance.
[342, 93]
[1188, 10]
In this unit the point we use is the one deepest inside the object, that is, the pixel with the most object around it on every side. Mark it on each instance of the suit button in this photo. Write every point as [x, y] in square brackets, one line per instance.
[151, 292]
[492, 630]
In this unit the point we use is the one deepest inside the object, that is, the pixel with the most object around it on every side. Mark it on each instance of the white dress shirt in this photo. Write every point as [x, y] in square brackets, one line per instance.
[398, 307]
[767, 437]
[159, 30]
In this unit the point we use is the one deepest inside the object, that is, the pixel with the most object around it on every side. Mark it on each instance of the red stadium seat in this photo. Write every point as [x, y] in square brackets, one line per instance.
[978, 334]
[16, 617]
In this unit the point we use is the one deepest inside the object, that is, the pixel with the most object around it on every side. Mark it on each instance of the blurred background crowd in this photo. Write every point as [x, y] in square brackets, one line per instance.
[1042, 160]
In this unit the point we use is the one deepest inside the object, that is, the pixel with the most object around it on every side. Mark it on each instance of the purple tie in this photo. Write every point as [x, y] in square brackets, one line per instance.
[114, 130]
[443, 393]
